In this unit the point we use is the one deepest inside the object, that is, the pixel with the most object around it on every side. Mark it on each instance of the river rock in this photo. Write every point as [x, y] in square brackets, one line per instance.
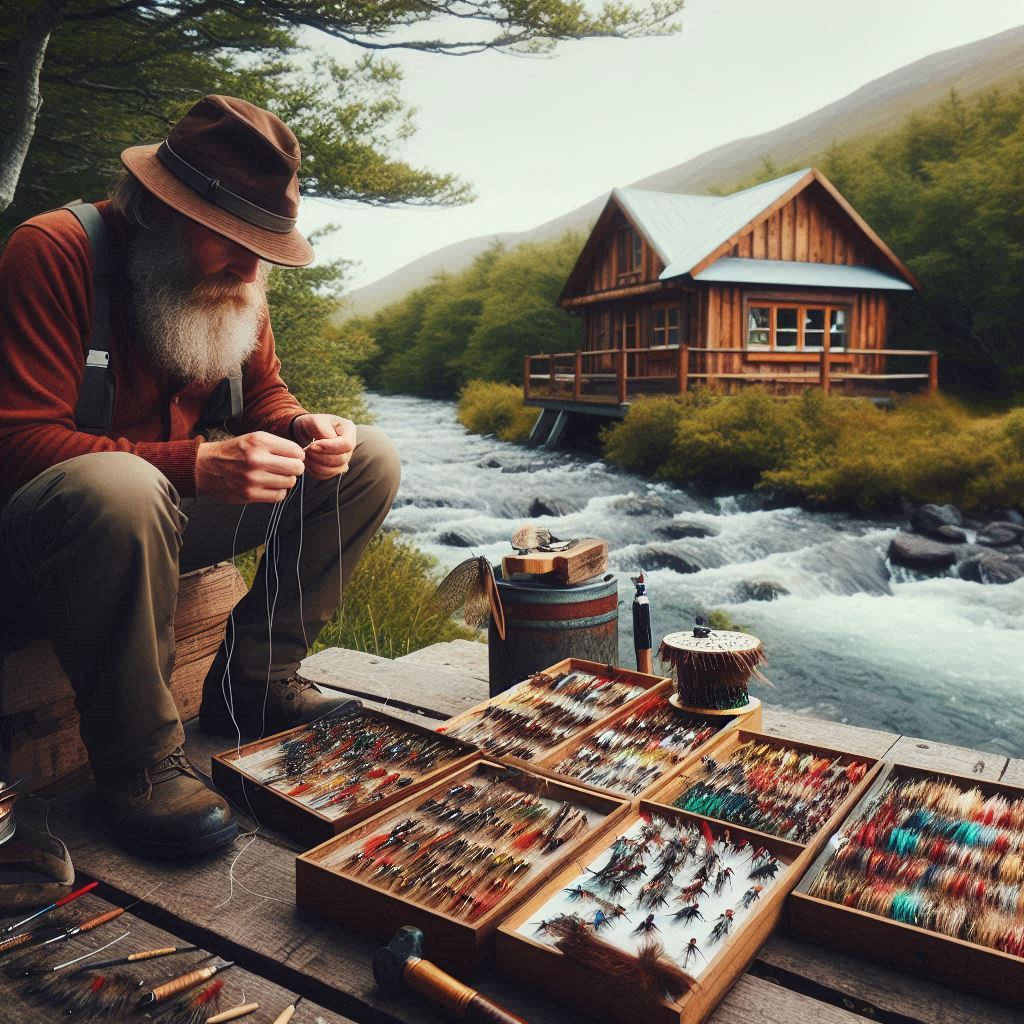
[920, 553]
[490, 462]
[950, 534]
[1009, 515]
[927, 519]
[999, 535]
[678, 530]
[549, 507]
[523, 467]
[650, 559]
[759, 590]
[653, 504]
[453, 539]
[849, 567]
[993, 567]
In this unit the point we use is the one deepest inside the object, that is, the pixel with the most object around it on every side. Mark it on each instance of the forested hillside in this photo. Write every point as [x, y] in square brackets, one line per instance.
[945, 190]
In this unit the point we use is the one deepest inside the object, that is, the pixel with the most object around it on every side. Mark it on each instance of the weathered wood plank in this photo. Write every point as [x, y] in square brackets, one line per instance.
[941, 757]
[871, 990]
[1013, 773]
[240, 985]
[837, 735]
[420, 688]
[463, 655]
[754, 1000]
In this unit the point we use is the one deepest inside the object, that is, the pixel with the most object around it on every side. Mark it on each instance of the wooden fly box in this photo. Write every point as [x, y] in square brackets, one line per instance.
[651, 739]
[946, 873]
[798, 791]
[589, 979]
[375, 759]
[534, 720]
[453, 875]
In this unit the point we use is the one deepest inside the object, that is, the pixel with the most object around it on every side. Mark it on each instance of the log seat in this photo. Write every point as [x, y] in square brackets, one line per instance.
[37, 704]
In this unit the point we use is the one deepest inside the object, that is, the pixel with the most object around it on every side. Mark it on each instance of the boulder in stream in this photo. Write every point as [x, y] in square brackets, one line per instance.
[679, 529]
[550, 507]
[650, 559]
[1000, 535]
[950, 534]
[920, 553]
[993, 567]
[454, 539]
[927, 519]
[759, 590]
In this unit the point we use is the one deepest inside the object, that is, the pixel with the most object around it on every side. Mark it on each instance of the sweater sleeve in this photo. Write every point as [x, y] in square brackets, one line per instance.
[45, 312]
[268, 404]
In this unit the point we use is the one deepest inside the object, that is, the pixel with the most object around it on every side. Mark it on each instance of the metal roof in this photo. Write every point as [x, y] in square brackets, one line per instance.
[685, 229]
[791, 272]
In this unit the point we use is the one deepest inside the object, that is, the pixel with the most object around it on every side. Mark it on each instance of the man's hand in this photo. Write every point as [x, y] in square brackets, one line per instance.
[328, 441]
[252, 468]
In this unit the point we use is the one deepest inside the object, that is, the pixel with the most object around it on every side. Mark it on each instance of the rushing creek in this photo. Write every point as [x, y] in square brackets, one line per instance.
[848, 637]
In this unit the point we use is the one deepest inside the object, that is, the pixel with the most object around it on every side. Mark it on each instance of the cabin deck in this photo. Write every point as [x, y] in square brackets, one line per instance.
[612, 377]
[282, 951]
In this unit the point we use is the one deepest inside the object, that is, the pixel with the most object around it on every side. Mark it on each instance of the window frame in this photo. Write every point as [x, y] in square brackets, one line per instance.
[628, 243]
[665, 330]
[800, 303]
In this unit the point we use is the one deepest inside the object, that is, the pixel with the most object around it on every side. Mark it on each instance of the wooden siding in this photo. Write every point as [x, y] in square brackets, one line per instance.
[603, 274]
[810, 228]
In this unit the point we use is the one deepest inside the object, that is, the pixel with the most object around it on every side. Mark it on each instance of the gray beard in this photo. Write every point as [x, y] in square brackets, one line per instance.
[195, 331]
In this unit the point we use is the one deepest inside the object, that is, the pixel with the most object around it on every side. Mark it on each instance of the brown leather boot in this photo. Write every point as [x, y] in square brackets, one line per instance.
[260, 710]
[166, 810]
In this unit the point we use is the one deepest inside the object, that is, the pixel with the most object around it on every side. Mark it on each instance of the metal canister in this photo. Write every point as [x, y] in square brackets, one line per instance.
[546, 622]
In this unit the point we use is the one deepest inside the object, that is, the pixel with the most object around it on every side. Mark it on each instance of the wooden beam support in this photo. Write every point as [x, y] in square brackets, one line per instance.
[620, 369]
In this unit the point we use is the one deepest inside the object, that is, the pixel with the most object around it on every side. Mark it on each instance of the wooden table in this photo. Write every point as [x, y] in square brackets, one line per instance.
[240, 904]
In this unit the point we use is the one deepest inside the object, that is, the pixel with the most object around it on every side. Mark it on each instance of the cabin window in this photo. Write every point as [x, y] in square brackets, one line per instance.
[793, 327]
[664, 326]
[630, 252]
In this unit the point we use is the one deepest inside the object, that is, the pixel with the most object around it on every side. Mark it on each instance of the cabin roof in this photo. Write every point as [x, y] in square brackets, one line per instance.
[685, 229]
[693, 234]
[790, 272]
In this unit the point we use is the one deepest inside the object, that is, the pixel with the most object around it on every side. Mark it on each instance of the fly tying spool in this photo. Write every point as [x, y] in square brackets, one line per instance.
[712, 668]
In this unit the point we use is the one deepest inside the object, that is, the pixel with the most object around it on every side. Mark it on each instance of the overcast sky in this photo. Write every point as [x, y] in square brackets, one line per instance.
[536, 138]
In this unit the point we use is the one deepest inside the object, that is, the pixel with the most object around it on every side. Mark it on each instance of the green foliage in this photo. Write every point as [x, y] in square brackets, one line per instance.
[117, 74]
[318, 359]
[834, 452]
[945, 192]
[384, 607]
[477, 324]
[486, 407]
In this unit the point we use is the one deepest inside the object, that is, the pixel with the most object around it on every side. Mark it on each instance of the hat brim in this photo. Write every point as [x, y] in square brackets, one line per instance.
[286, 250]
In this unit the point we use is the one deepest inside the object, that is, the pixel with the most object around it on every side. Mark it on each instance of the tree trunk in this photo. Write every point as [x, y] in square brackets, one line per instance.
[26, 96]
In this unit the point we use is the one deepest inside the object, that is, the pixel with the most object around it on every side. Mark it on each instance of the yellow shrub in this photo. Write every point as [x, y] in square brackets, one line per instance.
[486, 407]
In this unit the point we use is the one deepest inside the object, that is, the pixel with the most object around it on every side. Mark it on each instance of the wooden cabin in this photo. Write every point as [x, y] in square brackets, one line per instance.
[783, 284]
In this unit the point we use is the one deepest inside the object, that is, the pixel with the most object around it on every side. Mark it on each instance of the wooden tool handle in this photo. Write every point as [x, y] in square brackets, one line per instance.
[15, 941]
[480, 1010]
[102, 919]
[233, 1014]
[182, 984]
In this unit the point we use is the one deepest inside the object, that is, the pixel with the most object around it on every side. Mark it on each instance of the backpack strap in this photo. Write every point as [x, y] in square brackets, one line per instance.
[94, 412]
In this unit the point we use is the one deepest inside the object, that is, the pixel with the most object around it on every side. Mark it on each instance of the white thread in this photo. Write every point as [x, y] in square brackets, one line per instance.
[85, 956]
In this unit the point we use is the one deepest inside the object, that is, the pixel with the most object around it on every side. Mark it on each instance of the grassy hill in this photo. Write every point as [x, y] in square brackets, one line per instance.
[879, 106]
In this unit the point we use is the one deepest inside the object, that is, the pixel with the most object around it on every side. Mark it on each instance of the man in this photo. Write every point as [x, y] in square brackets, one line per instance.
[97, 523]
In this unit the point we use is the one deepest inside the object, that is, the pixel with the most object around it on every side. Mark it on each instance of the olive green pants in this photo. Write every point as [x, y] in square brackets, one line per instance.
[90, 554]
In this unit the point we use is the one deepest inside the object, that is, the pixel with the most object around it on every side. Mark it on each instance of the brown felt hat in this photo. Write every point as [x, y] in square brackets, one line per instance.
[233, 168]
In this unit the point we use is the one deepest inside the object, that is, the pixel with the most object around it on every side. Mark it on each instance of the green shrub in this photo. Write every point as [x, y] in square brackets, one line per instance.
[486, 407]
[834, 451]
[384, 606]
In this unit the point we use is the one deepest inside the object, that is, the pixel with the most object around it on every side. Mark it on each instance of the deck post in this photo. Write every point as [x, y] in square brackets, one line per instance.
[684, 368]
[826, 364]
[933, 372]
[526, 376]
[620, 370]
[577, 383]
[551, 374]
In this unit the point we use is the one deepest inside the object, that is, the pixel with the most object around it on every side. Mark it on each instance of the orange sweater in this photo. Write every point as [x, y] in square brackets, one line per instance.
[46, 299]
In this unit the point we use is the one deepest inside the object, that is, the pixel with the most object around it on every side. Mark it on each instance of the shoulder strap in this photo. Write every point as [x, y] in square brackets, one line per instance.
[94, 412]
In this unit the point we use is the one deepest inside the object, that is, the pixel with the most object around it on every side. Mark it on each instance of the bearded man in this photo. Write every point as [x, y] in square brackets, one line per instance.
[98, 521]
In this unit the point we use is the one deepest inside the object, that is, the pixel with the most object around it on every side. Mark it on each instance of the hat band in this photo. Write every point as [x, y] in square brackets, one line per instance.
[214, 192]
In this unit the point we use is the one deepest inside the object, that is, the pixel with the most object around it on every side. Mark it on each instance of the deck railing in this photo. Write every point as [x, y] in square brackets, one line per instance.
[613, 374]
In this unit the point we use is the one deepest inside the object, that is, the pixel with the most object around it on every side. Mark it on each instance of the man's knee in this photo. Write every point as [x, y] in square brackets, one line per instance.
[375, 454]
[116, 491]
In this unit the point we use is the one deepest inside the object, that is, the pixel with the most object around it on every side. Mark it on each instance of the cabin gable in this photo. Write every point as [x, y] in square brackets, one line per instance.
[617, 259]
